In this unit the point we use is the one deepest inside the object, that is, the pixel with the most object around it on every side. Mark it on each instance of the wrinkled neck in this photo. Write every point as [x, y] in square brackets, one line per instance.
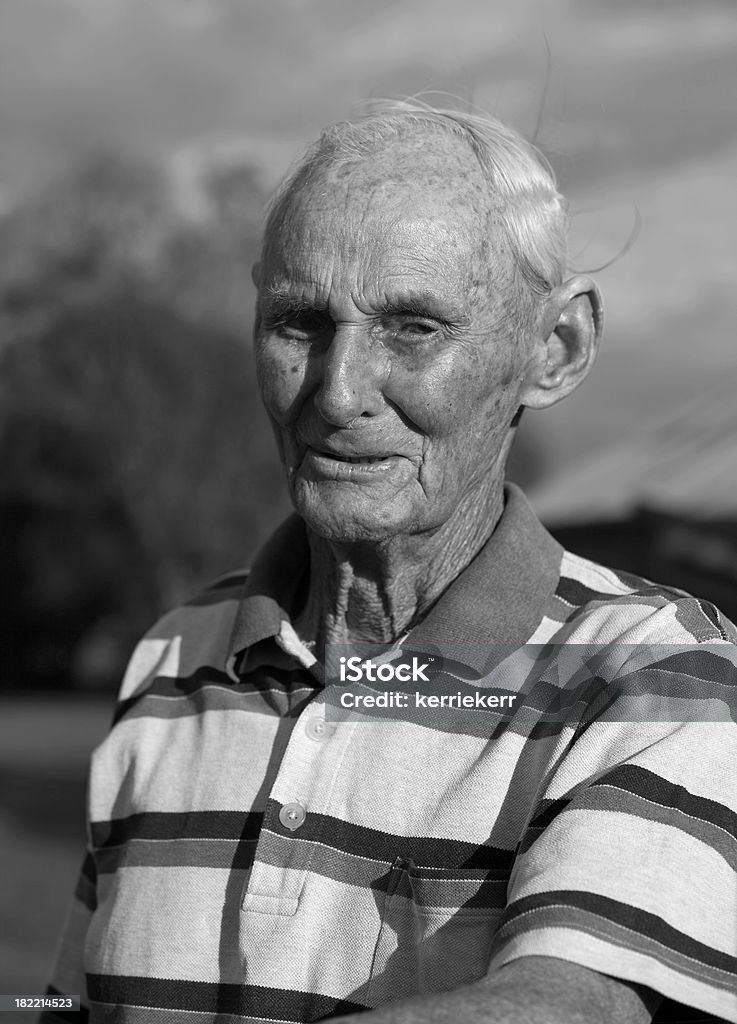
[376, 592]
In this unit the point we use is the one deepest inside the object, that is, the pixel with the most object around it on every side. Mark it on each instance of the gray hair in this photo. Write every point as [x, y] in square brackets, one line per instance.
[533, 212]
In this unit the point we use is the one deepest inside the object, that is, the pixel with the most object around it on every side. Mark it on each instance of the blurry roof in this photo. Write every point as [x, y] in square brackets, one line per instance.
[686, 464]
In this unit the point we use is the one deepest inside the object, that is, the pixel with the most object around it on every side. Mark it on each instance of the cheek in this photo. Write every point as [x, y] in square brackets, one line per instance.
[463, 408]
[429, 395]
[281, 375]
[445, 400]
[492, 389]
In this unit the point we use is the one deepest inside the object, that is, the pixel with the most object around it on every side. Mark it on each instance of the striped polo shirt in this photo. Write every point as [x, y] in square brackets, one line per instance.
[259, 853]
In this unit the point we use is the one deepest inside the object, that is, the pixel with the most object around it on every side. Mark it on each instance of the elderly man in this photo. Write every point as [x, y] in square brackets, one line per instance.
[256, 855]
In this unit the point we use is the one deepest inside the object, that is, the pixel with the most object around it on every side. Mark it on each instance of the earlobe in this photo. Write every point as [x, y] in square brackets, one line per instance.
[569, 339]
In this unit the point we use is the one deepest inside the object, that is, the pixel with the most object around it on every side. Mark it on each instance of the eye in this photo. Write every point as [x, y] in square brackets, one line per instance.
[301, 326]
[418, 327]
[411, 328]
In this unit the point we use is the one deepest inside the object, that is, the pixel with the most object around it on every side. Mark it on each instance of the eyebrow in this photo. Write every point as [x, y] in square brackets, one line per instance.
[424, 304]
[280, 299]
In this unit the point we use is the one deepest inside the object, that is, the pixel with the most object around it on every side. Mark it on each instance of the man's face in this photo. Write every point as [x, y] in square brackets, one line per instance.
[387, 358]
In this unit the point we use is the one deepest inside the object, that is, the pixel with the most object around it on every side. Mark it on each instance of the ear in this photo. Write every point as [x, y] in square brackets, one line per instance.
[567, 343]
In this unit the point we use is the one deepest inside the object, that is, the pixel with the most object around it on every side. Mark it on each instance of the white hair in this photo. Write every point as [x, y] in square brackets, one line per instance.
[520, 180]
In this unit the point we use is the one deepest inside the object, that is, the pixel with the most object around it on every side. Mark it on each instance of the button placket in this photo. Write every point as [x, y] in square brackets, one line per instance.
[303, 783]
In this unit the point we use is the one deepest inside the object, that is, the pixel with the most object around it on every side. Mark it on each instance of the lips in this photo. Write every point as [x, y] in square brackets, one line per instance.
[366, 460]
[359, 460]
[324, 463]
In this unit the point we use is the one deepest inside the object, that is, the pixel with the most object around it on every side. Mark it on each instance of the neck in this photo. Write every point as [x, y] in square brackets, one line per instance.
[376, 592]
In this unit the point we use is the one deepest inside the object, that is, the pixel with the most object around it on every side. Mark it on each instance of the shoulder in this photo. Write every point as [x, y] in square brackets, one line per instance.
[193, 634]
[595, 603]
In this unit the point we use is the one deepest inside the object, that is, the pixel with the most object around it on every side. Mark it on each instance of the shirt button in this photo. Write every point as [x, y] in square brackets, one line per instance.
[319, 729]
[292, 816]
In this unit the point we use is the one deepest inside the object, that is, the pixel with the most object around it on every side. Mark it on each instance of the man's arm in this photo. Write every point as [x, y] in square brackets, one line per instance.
[531, 990]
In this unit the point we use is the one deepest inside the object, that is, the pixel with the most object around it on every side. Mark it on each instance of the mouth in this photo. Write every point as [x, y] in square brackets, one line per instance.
[356, 459]
[337, 465]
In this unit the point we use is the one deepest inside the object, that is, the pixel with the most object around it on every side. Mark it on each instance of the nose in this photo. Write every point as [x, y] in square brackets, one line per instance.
[353, 371]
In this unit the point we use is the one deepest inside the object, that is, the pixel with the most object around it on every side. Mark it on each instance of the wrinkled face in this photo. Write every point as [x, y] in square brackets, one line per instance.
[387, 358]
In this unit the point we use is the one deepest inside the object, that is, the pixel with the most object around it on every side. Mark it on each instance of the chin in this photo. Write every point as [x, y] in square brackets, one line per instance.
[353, 525]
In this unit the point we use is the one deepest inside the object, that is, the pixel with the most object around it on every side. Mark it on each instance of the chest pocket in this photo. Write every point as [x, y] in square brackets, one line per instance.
[437, 926]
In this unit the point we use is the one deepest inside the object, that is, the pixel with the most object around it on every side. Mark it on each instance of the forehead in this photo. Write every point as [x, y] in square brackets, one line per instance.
[418, 208]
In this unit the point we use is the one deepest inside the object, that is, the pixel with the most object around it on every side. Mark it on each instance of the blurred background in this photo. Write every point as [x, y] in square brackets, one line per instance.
[140, 139]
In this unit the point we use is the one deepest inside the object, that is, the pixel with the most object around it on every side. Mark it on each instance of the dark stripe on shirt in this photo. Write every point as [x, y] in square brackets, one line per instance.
[360, 840]
[282, 690]
[211, 997]
[520, 916]
[236, 825]
[646, 784]
[278, 842]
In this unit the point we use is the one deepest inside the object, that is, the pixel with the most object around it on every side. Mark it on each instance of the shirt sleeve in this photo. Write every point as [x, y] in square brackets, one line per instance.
[152, 655]
[628, 865]
[68, 978]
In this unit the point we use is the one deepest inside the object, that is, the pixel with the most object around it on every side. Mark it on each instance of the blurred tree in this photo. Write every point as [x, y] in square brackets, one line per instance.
[185, 233]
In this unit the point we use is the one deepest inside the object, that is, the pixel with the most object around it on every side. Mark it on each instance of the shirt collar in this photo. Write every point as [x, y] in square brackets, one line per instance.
[269, 592]
[495, 605]
[490, 609]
